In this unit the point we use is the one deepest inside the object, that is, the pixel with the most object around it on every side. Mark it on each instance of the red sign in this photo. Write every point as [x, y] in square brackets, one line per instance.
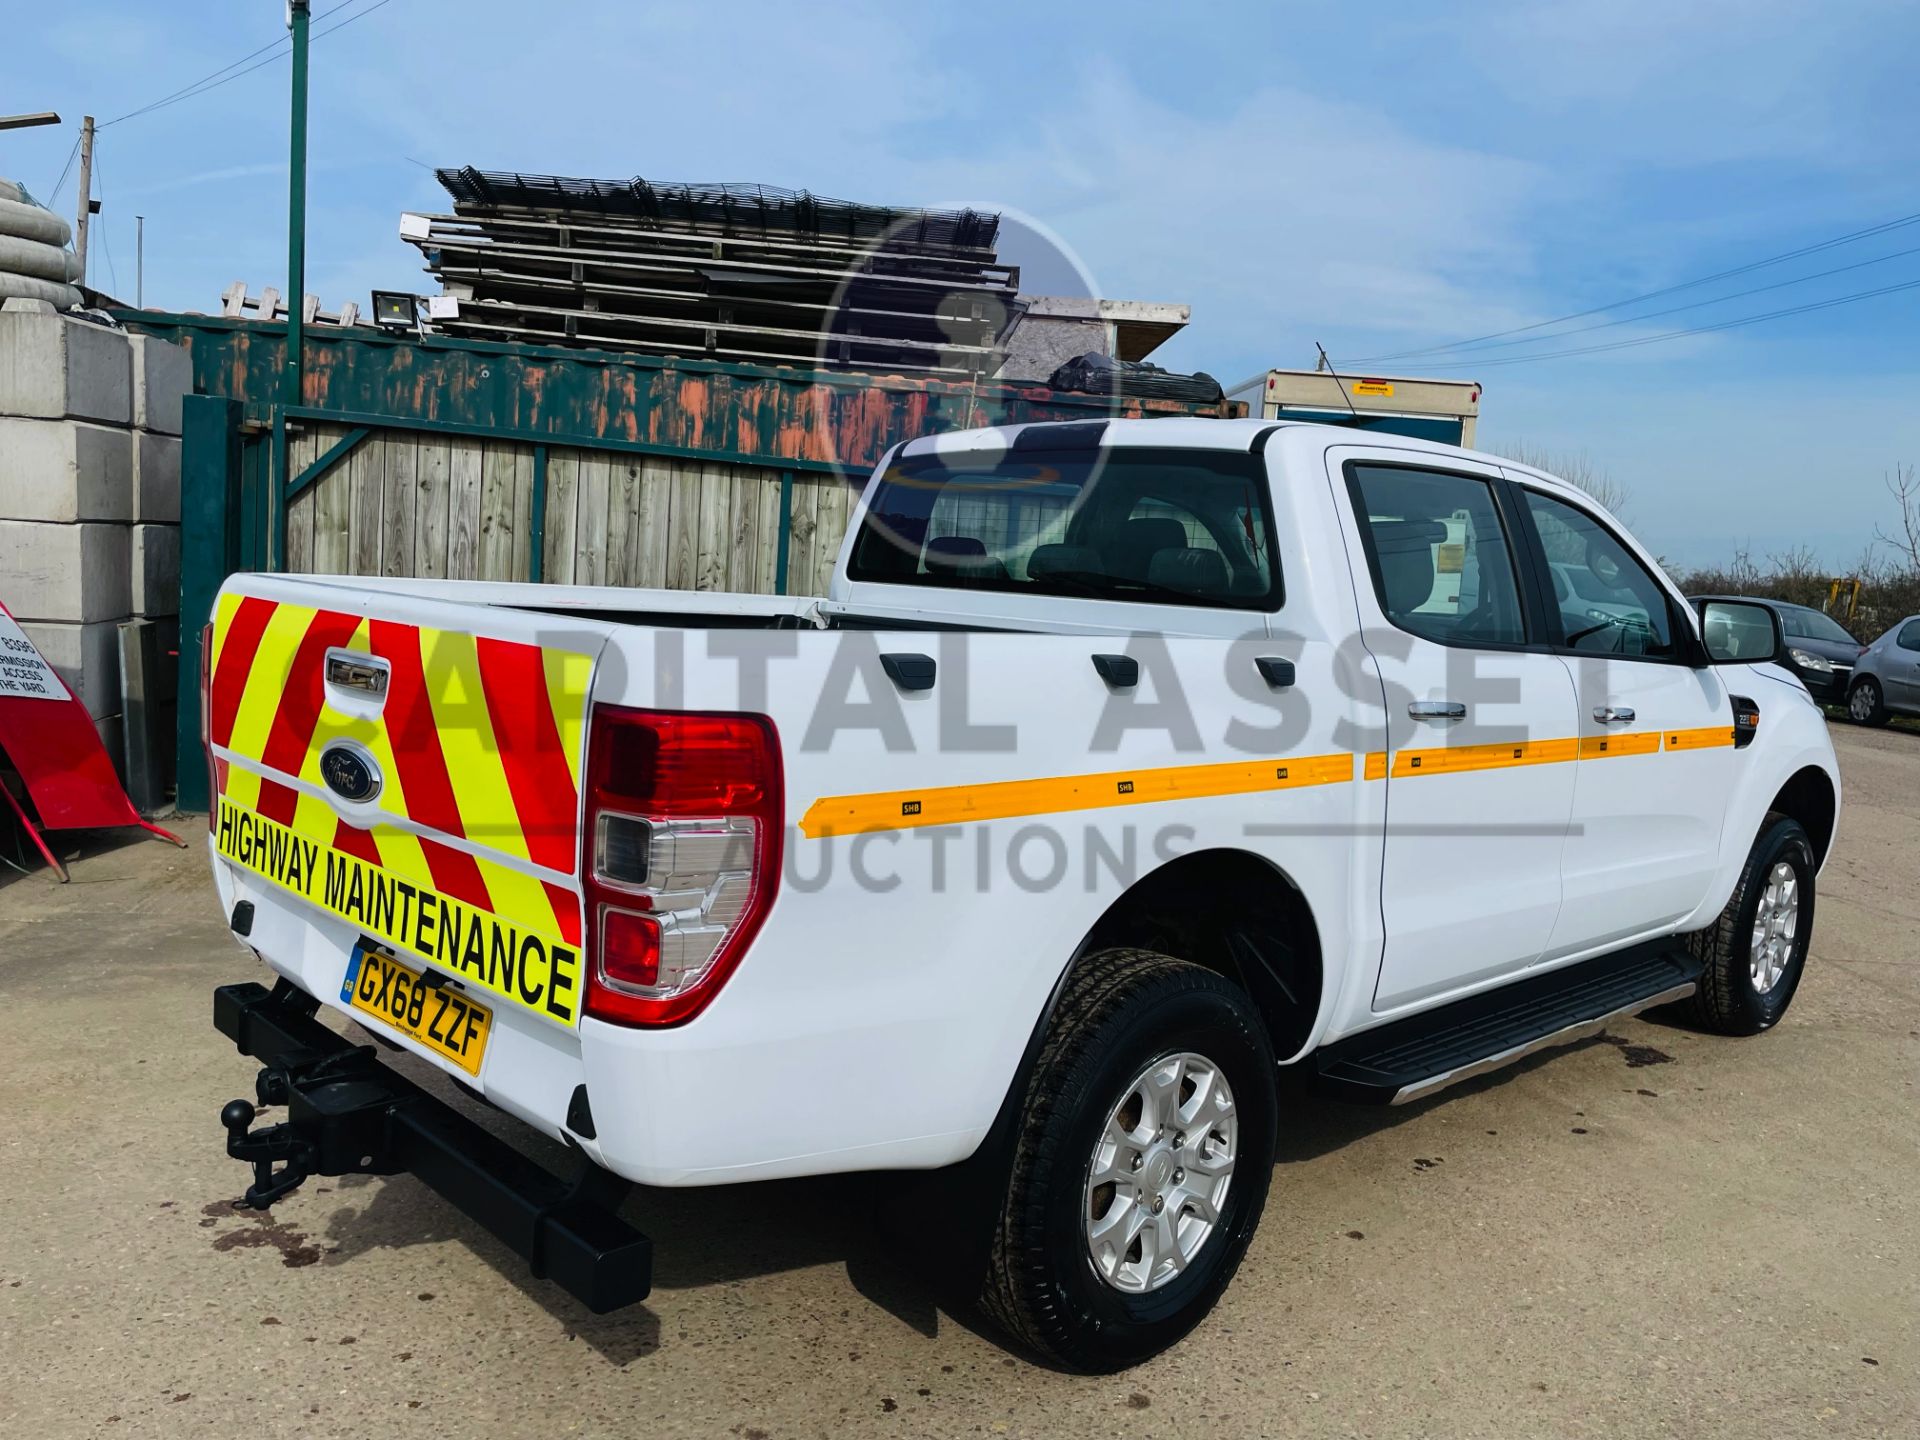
[48, 737]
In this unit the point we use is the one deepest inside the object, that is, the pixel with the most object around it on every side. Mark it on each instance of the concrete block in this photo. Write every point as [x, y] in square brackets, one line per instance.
[65, 572]
[156, 569]
[162, 375]
[156, 478]
[67, 470]
[52, 367]
[85, 657]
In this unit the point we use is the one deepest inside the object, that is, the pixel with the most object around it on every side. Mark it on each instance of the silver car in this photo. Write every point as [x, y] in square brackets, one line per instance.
[1886, 678]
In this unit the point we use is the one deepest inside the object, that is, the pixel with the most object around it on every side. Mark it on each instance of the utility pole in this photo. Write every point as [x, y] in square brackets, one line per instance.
[139, 262]
[86, 194]
[296, 277]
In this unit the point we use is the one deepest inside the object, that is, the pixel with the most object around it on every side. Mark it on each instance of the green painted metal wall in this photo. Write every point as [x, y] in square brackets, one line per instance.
[806, 419]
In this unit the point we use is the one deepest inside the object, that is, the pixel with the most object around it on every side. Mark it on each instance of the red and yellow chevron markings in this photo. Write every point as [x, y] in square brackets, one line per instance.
[478, 741]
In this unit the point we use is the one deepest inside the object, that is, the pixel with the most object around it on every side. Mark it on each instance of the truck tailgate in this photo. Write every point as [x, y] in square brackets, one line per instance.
[413, 768]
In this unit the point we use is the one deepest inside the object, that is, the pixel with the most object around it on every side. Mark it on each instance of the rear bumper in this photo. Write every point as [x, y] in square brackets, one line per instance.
[348, 1113]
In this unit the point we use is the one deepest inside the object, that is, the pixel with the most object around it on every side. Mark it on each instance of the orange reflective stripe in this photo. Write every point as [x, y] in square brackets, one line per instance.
[1004, 799]
[1709, 737]
[1636, 742]
[1454, 759]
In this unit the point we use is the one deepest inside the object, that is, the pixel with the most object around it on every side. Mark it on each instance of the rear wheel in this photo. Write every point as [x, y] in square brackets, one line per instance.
[1865, 704]
[1756, 950]
[1142, 1161]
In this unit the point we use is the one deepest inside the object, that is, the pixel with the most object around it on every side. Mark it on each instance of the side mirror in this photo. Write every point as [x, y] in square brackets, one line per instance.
[1739, 632]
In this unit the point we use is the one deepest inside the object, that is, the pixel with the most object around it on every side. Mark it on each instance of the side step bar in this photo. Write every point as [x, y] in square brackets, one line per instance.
[347, 1113]
[1410, 1059]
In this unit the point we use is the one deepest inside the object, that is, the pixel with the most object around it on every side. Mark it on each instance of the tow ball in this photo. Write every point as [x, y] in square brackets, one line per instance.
[338, 1108]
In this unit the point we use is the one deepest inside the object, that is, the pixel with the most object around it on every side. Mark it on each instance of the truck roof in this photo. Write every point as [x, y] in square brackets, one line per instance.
[1199, 433]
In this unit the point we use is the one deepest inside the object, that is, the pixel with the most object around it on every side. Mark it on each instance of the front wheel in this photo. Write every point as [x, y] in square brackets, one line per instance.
[1865, 704]
[1756, 950]
[1143, 1157]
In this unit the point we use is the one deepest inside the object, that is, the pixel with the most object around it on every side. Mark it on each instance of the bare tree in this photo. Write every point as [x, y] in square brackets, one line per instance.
[1575, 469]
[1904, 486]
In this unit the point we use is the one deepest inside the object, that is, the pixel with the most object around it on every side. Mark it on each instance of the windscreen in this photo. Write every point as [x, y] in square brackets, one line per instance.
[1179, 527]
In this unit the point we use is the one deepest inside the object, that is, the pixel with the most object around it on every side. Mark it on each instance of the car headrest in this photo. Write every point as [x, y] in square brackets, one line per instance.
[1052, 559]
[1190, 570]
[1405, 548]
[1138, 541]
[963, 557]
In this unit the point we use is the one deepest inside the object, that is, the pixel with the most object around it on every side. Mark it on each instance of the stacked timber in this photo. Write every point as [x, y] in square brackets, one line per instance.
[35, 263]
[745, 273]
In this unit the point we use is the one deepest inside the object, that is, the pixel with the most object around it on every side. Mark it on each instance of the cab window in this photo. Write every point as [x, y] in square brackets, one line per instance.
[1442, 567]
[1174, 527]
[1606, 601]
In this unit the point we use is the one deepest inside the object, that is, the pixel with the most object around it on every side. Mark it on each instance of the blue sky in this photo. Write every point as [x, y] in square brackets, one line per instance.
[1376, 178]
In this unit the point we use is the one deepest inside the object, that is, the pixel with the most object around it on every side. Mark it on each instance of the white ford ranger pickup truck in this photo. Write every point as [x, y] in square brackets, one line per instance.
[1123, 766]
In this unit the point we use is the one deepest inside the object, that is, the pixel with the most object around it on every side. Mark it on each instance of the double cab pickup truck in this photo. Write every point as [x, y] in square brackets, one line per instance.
[1123, 767]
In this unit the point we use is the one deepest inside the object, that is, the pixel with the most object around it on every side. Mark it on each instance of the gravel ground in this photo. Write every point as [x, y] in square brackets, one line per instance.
[1658, 1233]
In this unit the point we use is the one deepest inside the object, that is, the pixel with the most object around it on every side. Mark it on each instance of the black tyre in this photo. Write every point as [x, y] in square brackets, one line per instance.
[1755, 952]
[1865, 704]
[1151, 1108]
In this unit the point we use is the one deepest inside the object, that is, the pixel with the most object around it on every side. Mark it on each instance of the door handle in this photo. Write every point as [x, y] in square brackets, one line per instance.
[1613, 714]
[1437, 710]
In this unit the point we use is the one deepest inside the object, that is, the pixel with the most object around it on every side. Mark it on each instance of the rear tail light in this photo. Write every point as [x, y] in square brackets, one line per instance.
[682, 842]
[206, 721]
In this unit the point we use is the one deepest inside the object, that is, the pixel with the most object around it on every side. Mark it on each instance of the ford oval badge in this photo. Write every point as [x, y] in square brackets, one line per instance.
[350, 772]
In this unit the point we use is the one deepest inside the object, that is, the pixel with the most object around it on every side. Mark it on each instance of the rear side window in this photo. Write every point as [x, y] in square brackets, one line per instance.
[1174, 527]
[1442, 567]
[1610, 604]
[1909, 636]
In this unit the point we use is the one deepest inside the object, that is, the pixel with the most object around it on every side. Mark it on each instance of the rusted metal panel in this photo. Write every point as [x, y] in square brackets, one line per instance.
[791, 417]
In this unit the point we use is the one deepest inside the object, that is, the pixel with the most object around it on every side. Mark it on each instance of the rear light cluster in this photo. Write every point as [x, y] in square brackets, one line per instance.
[206, 721]
[682, 842]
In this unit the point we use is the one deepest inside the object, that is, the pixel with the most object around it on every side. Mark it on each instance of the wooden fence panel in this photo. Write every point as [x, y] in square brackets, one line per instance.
[302, 450]
[653, 533]
[460, 507]
[332, 511]
[433, 468]
[557, 565]
[363, 505]
[520, 527]
[766, 559]
[495, 521]
[399, 502]
[591, 559]
[465, 491]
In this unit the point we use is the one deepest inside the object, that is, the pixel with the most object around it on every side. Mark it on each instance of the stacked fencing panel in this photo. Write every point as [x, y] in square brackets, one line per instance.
[748, 273]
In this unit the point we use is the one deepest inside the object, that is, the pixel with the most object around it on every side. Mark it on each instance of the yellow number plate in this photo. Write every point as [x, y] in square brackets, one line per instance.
[440, 1017]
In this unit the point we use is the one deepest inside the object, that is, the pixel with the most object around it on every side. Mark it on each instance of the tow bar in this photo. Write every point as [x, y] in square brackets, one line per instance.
[348, 1114]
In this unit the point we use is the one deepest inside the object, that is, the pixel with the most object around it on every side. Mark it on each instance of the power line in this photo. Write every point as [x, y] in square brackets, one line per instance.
[1702, 304]
[1804, 250]
[1678, 334]
[65, 170]
[213, 80]
[106, 243]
